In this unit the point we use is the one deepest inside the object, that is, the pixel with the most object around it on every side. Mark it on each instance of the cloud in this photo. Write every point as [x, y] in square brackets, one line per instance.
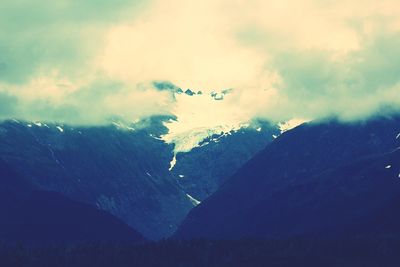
[7, 105]
[95, 103]
[284, 59]
[48, 70]
[356, 85]
[46, 36]
[86, 62]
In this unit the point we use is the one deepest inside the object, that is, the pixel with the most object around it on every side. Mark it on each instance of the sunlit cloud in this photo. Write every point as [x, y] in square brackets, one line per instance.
[87, 62]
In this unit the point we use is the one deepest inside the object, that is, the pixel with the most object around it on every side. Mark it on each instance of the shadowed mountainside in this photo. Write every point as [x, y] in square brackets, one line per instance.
[319, 180]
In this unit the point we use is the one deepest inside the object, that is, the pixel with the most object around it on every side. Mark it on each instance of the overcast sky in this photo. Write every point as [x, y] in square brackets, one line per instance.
[83, 62]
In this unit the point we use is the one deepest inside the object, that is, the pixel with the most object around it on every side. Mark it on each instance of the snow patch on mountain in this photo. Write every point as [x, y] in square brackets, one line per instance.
[201, 120]
[290, 124]
[172, 163]
[185, 141]
[122, 126]
[199, 117]
[194, 201]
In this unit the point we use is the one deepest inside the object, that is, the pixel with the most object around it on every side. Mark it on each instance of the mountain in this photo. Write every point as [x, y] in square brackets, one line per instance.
[124, 169]
[118, 169]
[323, 179]
[204, 168]
[40, 217]
[203, 145]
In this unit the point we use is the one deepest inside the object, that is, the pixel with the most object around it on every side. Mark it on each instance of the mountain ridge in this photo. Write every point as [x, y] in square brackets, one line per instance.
[294, 160]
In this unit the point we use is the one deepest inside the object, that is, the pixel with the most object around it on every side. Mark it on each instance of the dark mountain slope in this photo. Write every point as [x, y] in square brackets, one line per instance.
[122, 171]
[318, 180]
[48, 217]
[39, 217]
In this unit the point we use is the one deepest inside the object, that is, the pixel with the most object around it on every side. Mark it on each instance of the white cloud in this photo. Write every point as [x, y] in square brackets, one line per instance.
[284, 59]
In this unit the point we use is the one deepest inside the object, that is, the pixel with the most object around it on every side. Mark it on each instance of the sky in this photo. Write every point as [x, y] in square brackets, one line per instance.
[86, 62]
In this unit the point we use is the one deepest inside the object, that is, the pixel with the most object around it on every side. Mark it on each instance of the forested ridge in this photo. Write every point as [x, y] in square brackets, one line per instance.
[356, 252]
